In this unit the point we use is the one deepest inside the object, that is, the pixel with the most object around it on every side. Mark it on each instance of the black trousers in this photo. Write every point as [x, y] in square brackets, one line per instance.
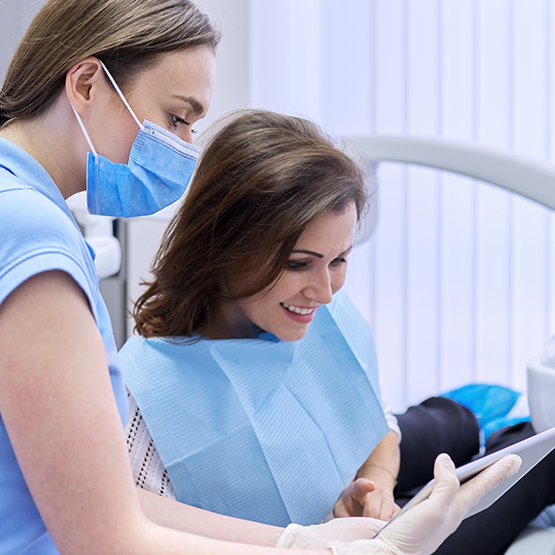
[440, 425]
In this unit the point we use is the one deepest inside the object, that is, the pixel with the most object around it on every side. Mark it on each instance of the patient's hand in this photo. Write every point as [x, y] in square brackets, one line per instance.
[364, 498]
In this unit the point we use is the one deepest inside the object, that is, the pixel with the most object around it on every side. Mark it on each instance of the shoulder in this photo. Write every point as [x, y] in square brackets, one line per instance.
[37, 236]
[158, 346]
[27, 215]
[159, 359]
[128, 352]
[23, 209]
[137, 355]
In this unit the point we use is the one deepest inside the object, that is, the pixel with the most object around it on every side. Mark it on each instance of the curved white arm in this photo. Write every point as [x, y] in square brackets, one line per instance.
[529, 178]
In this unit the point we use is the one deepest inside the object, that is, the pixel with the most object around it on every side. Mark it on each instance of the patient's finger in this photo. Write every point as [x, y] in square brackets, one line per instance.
[373, 506]
[360, 489]
[353, 498]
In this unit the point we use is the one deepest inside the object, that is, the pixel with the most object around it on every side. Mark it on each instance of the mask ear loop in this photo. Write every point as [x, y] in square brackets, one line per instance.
[80, 122]
[118, 90]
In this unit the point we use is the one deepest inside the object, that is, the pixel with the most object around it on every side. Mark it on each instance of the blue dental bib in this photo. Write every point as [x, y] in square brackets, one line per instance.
[262, 429]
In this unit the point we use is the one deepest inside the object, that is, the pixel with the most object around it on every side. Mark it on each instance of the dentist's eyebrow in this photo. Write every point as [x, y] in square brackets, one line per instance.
[197, 106]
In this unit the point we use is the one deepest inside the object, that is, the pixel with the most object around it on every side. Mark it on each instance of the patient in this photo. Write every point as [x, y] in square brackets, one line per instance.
[253, 384]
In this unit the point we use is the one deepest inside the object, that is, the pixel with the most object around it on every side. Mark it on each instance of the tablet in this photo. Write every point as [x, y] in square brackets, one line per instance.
[531, 450]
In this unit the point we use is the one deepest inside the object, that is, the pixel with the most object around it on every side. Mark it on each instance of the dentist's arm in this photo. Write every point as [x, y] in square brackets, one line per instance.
[58, 406]
[179, 516]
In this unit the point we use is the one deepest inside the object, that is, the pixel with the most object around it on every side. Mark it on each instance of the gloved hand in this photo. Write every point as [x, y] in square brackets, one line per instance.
[423, 529]
[322, 536]
[420, 531]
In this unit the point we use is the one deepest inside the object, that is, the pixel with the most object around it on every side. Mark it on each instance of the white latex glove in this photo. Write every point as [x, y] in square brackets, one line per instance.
[423, 529]
[420, 531]
[321, 536]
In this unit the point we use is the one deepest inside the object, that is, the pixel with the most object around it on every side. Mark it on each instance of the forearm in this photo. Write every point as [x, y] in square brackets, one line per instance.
[171, 541]
[382, 466]
[179, 516]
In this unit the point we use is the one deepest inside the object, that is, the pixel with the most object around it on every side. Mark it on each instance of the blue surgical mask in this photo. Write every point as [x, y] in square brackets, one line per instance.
[158, 172]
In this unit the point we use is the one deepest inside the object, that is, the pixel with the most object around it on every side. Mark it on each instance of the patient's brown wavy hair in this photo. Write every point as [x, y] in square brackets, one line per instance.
[262, 180]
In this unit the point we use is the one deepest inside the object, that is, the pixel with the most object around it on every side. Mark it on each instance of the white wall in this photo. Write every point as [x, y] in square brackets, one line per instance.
[15, 16]
[457, 282]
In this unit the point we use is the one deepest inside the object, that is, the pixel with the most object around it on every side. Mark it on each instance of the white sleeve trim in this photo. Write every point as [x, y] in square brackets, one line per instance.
[390, 419]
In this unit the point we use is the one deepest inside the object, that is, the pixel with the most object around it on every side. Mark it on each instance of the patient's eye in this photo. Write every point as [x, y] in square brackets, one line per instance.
[296, 265]
[338, 261]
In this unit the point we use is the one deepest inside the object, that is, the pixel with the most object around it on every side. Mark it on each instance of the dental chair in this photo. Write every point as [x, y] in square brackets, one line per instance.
[531, 179]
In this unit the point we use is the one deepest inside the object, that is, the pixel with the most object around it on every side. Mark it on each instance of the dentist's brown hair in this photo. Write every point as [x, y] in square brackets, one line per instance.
[263, 179]
[127, 35]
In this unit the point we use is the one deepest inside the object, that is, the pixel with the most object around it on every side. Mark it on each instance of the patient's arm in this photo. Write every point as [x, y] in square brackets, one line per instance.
[157, 495]
[362, 498]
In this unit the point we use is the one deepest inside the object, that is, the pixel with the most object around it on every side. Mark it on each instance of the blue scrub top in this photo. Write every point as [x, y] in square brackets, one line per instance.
[38, 234]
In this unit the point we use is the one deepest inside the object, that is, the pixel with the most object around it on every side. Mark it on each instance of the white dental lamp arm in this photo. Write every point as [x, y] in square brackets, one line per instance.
[532, 179]
[529, 178]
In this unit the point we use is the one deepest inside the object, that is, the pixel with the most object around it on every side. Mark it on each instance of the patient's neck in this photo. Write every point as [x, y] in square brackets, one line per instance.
[231, 323]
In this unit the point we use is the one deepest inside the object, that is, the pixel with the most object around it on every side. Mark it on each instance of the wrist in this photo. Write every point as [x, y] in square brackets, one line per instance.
[380, 474]
[287, 538]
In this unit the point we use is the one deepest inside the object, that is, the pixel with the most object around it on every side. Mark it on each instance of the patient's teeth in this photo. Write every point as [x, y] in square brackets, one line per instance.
[297, 310]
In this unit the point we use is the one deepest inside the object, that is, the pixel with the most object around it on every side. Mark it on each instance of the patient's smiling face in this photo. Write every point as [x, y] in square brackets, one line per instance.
[315, 271]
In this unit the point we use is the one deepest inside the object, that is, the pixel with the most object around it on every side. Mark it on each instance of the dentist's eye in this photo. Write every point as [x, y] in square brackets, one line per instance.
[176, 121]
